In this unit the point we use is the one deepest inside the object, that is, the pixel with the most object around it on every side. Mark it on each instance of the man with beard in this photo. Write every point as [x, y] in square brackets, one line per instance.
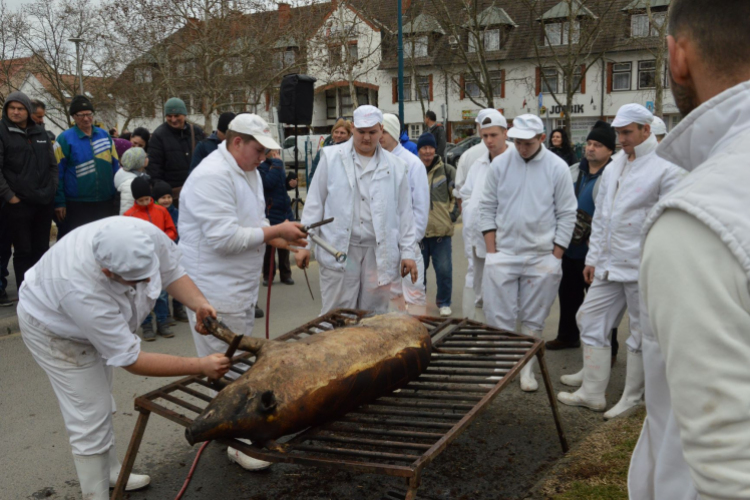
[695, 270]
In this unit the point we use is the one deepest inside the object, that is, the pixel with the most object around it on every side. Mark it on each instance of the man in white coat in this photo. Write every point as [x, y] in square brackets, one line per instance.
[405, 294]
[631, 185]
[224, 231]
[527, 214]
[366, 190]
[78, 310]
[494, 132]
[470, 299]
[695, 271]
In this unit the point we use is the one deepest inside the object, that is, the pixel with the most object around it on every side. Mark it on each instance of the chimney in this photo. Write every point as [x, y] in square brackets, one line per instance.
[405, 6]
[285, 14]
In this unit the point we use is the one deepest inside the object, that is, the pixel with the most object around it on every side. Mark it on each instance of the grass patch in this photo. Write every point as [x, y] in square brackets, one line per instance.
[597, 469]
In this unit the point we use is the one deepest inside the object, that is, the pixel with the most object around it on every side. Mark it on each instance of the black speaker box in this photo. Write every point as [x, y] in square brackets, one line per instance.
[296, 97]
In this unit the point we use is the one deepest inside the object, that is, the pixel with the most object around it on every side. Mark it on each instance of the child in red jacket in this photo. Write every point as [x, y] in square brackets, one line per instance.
[145, 208]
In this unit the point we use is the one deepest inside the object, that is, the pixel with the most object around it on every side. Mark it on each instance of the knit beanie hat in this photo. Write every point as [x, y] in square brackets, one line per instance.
[426, 139]
[604, 133]
[133, 159]
[140, 188]
[80, 103]
[224, 120]
[391, 125]
[161, 188]
[175, 106]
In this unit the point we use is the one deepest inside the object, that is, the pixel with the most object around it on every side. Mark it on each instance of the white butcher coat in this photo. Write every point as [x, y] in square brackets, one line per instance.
[622, 204]
[332, 193]
[79, 324]
[695, 286]
[222, 213]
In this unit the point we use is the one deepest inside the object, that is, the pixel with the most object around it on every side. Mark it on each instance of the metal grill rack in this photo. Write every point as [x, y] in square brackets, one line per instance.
[396, 435]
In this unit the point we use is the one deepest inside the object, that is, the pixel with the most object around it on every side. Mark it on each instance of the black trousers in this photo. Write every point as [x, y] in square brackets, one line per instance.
[284, 268]
[80, 213]
[6, 251]
[28, 225]
[571, 293]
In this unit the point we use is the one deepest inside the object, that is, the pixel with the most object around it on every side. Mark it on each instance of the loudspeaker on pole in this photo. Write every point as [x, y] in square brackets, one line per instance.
[296, 96]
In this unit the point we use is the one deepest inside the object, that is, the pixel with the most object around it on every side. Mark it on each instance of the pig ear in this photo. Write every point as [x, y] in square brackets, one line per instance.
[267, 402]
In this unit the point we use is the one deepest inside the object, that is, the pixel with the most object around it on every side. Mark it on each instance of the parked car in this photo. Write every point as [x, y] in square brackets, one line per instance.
[452, 156]
[287, 153]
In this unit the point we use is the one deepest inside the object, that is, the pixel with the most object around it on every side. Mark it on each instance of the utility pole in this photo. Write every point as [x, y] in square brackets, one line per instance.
[400, 64]
[79, 66]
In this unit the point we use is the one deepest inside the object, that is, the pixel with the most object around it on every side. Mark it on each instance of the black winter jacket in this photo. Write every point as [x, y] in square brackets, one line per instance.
[170, 152]
[28, 168]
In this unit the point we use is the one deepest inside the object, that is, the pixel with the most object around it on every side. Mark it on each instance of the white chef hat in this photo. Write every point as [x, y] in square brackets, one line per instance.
[526, 127]
[367, 116]
[493, 118]
[632, 113]
[125, 249]
[391, 125]
[658, 127]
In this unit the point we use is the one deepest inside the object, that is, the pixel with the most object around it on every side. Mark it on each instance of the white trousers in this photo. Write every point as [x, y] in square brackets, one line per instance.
[601, 311]
[240, 323]
[468, 252]
[478, 265]
[82, 382]
[520, 288]
[357, 286]
[406, 295]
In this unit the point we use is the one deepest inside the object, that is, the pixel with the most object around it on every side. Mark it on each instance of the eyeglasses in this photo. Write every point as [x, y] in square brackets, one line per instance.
[85, 115]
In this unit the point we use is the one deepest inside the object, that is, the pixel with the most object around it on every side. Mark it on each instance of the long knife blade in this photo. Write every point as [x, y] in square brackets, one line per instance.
[304, 269]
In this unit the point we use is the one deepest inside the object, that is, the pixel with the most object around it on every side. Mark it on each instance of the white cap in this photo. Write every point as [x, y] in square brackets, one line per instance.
[526, 127]
[125, 249]
[250, 124]
[496, 119]
[632, 113]
[367, 116]
[391, 125]
[658, 127]
[482, 113]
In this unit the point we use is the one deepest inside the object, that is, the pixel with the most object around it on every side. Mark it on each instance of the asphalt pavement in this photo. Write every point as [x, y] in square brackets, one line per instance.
[502, 454]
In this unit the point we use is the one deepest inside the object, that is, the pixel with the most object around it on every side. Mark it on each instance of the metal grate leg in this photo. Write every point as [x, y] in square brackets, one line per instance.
[552, 400]
[135, 444]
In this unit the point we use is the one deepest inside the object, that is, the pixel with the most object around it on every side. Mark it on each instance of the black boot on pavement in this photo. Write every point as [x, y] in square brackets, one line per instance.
[164, 331]
[259, 312]
[559, 345]
[179, 313]
[148, 333]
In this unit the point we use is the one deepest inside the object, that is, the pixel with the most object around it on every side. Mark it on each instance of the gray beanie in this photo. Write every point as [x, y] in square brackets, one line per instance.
[133, 159]
[175, 106]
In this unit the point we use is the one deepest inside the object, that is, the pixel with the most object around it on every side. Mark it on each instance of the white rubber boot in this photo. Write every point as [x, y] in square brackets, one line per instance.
[634, 386]
[574, 379]
[468, 305]
[528, 379]
[93, 474]
[596, 371]
[135, 481]
[245, 461]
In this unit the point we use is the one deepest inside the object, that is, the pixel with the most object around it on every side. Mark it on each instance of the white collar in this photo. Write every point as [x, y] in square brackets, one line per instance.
[644, 148]
[709, 128]
[230, 159]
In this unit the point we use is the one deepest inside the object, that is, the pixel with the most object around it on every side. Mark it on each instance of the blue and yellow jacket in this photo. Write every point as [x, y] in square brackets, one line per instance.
[86, 165]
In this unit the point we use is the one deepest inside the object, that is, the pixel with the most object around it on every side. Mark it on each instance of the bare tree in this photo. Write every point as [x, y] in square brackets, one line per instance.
[568, 44]
[12, 60]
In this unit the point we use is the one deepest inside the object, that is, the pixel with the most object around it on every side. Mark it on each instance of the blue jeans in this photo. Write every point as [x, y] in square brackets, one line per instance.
[161, 309]
[441, 252]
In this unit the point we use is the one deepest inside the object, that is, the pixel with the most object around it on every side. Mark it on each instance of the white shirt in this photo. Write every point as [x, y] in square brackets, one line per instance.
[420, 189]
[363, 232]
[67, 292]
[476, 179]
[465, 163]
[531, 206]
[628, 191]
[222, 215]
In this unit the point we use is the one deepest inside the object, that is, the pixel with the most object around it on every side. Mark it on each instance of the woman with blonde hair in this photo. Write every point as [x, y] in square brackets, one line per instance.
[341, 132]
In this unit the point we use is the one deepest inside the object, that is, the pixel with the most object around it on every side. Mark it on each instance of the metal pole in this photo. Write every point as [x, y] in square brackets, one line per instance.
[400, 65]
[80, 68]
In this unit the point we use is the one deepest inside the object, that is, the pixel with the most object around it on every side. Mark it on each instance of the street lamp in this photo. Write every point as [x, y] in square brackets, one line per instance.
[79, 68]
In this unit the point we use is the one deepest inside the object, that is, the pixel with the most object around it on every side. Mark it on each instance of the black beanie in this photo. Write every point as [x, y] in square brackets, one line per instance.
[604, 133]
[224, 120]
[140, 188]
[161, 188]
[80, 103]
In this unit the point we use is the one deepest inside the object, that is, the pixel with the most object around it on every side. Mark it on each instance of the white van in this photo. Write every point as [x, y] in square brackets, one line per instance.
[305, 143]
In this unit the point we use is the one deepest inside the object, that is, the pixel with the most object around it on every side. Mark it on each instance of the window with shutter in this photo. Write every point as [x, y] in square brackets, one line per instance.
[621, 76]
[646, 74]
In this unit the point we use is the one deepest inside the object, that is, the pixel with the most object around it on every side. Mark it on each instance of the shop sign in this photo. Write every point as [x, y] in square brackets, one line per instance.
[575, 109]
